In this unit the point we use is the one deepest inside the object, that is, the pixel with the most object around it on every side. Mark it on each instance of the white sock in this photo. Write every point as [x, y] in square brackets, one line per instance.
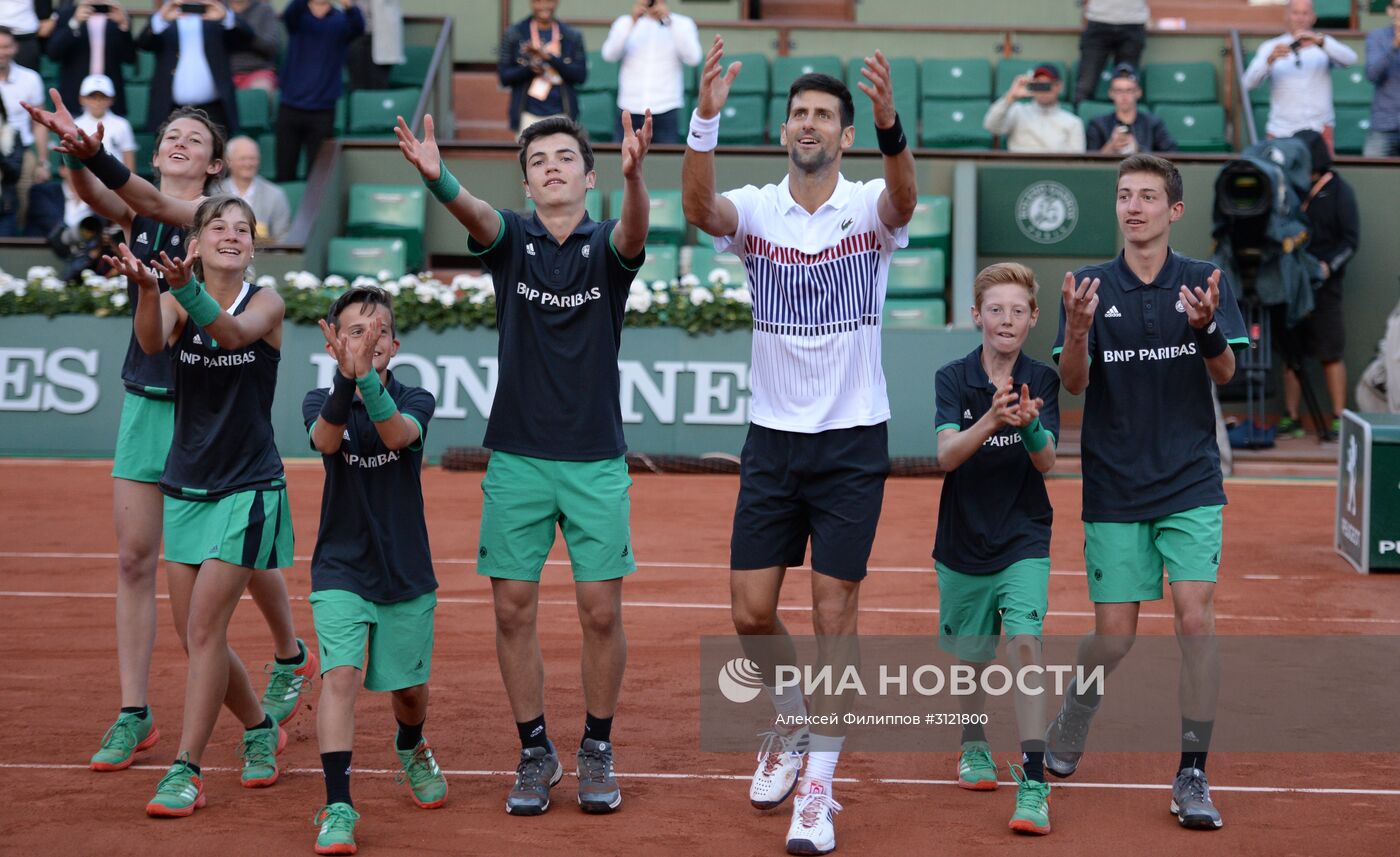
[788, 703]
[822, 757]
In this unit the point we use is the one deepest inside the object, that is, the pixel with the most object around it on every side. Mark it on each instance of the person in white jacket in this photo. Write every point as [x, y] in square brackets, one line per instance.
[654, 45]
[1038, 125]
[1298, 67]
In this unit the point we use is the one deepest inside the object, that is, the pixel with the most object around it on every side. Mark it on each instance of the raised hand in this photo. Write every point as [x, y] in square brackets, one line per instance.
[81, 144]
[59, 120]
[1201, 303]
[178, 273]
[126, 264]
[1080, 303]
[362, 349]
[634, 145]
[339, 346]
[214, 11]
[1020, 87]
[715, 81]
[422, 154]
[880, 87]
[1006, 406]
[1027, 408]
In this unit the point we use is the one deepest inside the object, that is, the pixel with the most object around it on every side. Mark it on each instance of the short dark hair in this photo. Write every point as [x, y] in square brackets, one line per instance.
[370, 296]
[831, 86]
[1171, 176]
[556, 125]
[217, 143]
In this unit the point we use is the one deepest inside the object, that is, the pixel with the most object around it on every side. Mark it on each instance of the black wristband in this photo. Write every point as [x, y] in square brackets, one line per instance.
[1211, 340]
[891, 139]
[108, 169]
[336, 410]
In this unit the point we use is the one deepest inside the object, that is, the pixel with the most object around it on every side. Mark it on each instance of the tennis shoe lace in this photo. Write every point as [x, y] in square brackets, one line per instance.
[811, 808]
[257, 751]
[1193, 785]
[1029, 794]
[979, 758]
[282, 682]
[419, 770]
[336, 818]
[175, 779]
[595, 766]
[121, 734]
[530, 773]
[1073, 728]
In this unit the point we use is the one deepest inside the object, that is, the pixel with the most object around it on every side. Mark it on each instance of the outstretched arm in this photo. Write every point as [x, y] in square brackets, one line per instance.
[137, 193]
[102, 201]
[261, 319]
[629, 237]
[704, 207]
[156, 318]
[901, 192]
[482, 222]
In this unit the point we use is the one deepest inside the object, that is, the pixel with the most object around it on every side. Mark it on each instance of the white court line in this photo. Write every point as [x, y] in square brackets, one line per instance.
[696, 605]
[622, 775]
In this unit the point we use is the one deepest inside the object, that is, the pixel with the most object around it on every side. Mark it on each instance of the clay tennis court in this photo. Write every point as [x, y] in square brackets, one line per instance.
[57, 569]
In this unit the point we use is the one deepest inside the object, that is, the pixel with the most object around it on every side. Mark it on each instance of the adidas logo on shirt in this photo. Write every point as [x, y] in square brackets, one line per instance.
[197, 340]
[530, 249]
[142, 239]
[1113, 312]
[967, 414]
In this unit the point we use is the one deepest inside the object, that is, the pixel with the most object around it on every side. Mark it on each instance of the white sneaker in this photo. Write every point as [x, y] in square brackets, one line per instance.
[813, 830]
[779, 766]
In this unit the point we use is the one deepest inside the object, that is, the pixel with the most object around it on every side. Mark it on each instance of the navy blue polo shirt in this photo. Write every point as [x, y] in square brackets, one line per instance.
[1148, 441]
[559, 310]
[994, 510]
[373, 540]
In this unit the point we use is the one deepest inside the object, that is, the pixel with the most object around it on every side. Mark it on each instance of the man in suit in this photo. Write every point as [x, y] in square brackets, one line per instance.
[92, 37]
[269, 201]
[192, 60]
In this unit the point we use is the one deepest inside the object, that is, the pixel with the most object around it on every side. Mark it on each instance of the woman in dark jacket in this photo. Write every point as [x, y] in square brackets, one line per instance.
[542, 60]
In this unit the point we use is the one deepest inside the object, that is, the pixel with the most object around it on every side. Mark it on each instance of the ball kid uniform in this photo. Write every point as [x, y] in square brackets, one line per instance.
[225, 490]
[555, 432]
[1153, 492]
[148, 407]
[372, 581]
[992, 550]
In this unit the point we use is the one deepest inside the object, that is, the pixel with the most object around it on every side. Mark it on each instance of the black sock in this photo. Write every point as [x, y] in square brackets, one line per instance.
[1033, 760]
[139, 711]
[532, 733]
[336, 769]
[194, 769]
[265, 724]
[973, 732]
[1195, 741]
[408, 736]
[300, 657]
[597, 728]
[1090, 697]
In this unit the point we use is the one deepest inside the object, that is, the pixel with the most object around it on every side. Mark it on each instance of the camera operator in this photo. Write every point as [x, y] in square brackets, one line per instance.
[82, 246]
[1298, 67]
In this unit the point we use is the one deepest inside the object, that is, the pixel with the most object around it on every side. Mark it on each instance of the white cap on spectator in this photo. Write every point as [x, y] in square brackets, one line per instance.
[99, 83]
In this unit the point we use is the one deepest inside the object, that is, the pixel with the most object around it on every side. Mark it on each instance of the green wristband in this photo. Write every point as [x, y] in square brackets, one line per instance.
[378, 404]
[1034, 437]
[72, 163]
[445, 187]
[202, 308]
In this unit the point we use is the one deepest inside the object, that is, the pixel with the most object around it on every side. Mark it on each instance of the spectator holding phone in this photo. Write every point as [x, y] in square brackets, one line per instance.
[541, 61]
[1127, 130]
[655, 45]
[192, 40]
[254, 66]
[92, 37]
[1383, 70]
[1298, 67]
[1039, 125]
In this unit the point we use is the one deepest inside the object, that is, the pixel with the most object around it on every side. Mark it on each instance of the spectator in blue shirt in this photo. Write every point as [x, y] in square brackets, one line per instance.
[1383, 69]
[318, 34]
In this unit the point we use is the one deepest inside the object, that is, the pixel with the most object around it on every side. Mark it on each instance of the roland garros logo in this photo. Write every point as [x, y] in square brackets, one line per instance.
[740, 680]
[1047, 212]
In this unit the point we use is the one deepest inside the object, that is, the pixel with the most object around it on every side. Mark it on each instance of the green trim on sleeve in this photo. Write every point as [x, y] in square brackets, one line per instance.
[501, 218]
[626, 263]
[417, 445]
[1055, 354]
[1239, 343]
[939, 429]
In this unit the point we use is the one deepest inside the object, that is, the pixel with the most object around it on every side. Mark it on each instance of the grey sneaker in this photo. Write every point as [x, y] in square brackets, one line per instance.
[539, 771]
[597, 787]
[1064, 739]
[1191, 802]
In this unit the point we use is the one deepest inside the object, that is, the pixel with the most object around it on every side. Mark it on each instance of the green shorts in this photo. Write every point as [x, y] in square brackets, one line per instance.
[252, 529]
[143, 440]
[973, 609]
[526, 497]
[399, 636]
[1125, 561]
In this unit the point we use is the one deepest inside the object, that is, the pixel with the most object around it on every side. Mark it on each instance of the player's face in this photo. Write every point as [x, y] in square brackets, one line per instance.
[1005, 317]
[187, 149]
[555, 174]
[813, 133]
[226, 241]
[1144, 215]
[357, 321]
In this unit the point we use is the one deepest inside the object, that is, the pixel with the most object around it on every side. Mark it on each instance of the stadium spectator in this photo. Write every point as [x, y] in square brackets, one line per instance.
[1383, 70]
[542, 59]
[318, 36]
[374, 54]
[1127, 130]
[28, 21]
[654, 45]
[254, 65]
[269, 201]
[1040, 125]
[1298, 67]
[192, 60]
[87, 41]
[23, 145]
[97, 95]
[1117, 27]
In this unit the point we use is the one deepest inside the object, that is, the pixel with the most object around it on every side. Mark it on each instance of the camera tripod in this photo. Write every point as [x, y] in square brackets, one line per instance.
[1257, 363]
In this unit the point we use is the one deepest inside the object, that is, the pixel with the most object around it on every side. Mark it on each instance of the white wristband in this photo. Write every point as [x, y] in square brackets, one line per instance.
[704, 133]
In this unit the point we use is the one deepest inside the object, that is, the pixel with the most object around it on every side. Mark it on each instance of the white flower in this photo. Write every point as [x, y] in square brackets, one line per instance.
[739, 295]
[407, 281]
[448, 297]
[638, 288]
[425, 292]
[118, 299]
[660, 286]
[304, 280]
[479, 297]
[661, 298]
[690, 281]
[52, 284]
[39, 272]
[639, 301]
[334, 281]
[267, 281]
[391, 288]
[21, 290]
[384, 276]
[362, 281]
[699, 297]
[719, 277]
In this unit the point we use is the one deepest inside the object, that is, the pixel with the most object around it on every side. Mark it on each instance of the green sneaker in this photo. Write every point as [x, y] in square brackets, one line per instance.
[127, 737]
[1032, 813]
[1291, 427]
[337, 836]
[179, 793]
[287, 684]
[259, 751]
[976, 769]
[423, 776]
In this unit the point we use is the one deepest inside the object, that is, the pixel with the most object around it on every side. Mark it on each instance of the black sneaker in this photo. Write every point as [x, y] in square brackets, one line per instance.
[1065, 737]
[597, 786]
[539, 771]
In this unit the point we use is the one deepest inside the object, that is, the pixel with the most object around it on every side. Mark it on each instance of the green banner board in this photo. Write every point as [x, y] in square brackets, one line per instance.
[1368, 491]
[1041, 211]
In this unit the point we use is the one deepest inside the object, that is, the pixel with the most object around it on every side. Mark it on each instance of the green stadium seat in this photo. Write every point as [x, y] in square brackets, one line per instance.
[915, 313]
[1009, 69]
[1100, 86]
[931, 225]
[905, 73]
[1353, 123]
[663, 263]
[48, 70]
[145, 151]
[667, 218]
[597, 113]
[1334, 14]
[592, 203]
[955, 79]
[1196, 127]
[1093, 109]
[1181, 83]
[366, 257]
[254, 111]
[955, 124]
[138, 103]
[691, 73]
[788, 69]
[704, 260]
[375, 112]
[1260, 94]
[1261, 120]
[1350, 86]
[743, 120]
[389, 211]
[342, 113]
[602, 75]
[753, 75]
[141, 70]
[413, 71]
[294, 191]
[917, 274]
[777, 115]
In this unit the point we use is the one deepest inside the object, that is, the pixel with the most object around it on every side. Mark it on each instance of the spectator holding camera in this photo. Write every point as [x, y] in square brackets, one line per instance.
[92, 37]
[254, 65]
[1127, 130]
[1038, 125]
[541, 61]
[192, 40]
[1383, 70]
[1298, 67]
[654, 45]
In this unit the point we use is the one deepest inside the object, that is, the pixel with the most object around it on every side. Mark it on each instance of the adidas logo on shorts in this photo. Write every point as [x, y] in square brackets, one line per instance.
[1113, 312]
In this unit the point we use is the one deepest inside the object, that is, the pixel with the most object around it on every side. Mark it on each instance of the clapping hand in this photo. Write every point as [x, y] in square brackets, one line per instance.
[1201, 303]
